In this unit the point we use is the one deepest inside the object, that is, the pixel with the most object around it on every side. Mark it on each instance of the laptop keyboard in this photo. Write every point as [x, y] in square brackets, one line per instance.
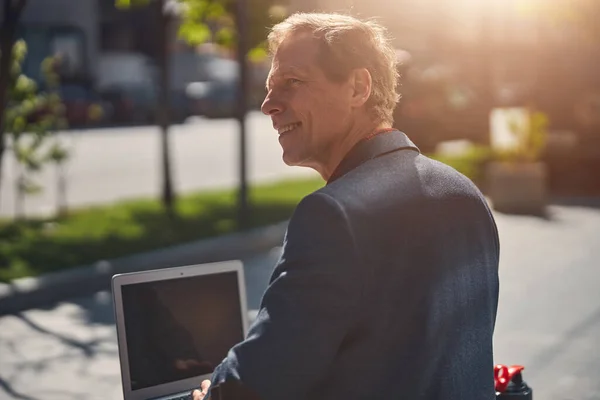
[180, 396]
[187, 396]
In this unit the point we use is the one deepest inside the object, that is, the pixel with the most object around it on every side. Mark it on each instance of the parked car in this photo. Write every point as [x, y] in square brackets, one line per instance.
[217, 96]
[83, 106]
[128, 82]
[217, 100]
[131, 103]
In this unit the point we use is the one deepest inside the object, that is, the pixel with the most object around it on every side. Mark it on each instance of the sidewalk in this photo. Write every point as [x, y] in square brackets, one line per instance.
[548, 319]
[69, 351]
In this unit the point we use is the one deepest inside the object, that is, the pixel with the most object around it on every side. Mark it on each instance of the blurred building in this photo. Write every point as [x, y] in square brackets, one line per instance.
[484, 54]
[66, 27]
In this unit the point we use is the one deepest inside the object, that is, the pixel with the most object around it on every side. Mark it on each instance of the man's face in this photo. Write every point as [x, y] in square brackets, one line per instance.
[311, 113]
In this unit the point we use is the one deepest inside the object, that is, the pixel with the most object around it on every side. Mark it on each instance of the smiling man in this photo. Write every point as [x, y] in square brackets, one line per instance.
[388, 282]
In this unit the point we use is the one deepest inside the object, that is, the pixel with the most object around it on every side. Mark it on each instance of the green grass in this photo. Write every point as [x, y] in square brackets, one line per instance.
[34, 247]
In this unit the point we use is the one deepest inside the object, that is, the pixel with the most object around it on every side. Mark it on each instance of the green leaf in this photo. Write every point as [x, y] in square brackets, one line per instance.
[194, 33]
[123, 4]
[25, 85]
[195, 10]
[257, 54]
[215, 10]
[19, 51]
[19, 124]
[28, 186]
[57, 153]
[126, 4]
[225, 37]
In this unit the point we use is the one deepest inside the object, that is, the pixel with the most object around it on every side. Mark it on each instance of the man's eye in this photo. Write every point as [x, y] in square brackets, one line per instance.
[293, 81]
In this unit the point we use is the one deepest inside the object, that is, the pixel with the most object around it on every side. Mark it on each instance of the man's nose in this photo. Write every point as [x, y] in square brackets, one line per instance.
[271, 105]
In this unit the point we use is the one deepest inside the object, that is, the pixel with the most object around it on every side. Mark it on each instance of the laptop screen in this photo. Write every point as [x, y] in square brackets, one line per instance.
[180, 328]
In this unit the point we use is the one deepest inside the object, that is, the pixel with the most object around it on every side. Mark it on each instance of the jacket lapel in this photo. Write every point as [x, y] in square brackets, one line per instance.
[377, 146]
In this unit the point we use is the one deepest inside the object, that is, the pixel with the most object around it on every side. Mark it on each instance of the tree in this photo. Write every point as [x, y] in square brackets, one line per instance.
[219, 21]
[11, 10]
[30, 118]
[163, 109]
[205, 20]
[24, 109]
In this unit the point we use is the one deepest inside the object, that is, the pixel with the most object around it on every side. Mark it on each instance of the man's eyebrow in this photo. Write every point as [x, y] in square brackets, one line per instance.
[290, 70]
[296, 70]
[302, 71]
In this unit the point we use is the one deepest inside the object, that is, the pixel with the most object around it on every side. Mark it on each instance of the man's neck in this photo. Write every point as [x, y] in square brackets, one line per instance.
[341, 149]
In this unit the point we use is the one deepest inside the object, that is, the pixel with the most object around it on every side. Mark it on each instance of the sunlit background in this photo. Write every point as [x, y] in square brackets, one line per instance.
[124, 133]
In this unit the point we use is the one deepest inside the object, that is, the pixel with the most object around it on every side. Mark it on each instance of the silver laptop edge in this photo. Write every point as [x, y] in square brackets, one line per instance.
[168, 389]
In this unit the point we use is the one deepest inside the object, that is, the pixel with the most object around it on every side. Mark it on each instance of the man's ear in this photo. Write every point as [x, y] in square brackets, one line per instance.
[362, 84]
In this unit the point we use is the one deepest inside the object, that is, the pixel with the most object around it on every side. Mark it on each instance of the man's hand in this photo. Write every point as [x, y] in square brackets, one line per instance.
[199, 394]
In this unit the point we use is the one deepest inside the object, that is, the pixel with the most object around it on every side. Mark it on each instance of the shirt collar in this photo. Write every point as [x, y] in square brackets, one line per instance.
[365, 150]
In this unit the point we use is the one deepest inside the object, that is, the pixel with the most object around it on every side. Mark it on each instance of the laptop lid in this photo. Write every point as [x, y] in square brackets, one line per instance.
[175, 325]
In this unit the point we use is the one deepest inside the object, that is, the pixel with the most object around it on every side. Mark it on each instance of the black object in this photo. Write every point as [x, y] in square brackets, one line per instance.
[517, 389]
[232, 390]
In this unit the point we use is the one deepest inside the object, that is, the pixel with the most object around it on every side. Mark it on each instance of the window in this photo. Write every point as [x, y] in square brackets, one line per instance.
[45, 41]
[68, 47]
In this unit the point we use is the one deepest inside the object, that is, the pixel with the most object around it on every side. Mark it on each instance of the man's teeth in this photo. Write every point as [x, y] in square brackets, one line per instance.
[288, 128]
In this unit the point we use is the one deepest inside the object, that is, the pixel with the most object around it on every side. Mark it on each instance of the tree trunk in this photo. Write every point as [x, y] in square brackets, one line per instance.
[168, 195]
[242, 108]
[12, 12]
[61, 189]
[19, 193]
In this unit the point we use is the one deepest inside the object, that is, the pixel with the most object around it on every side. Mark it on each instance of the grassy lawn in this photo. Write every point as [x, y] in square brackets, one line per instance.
[33, 247]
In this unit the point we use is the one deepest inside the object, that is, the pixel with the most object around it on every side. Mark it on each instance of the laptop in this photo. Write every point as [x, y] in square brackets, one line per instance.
[175, 325]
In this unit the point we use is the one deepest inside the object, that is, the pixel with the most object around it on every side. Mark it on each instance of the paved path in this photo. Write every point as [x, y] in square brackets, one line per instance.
[116, 163]
[549, 319]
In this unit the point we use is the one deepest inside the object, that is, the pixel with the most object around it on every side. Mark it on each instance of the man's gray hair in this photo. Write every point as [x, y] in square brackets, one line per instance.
[348, 43]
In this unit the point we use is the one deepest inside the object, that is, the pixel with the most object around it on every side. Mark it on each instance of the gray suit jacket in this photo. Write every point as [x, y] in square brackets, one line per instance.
[387, 289]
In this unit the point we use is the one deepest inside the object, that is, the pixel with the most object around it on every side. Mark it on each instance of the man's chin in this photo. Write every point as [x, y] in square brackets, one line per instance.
[298, 162]
[291, 159]
[290, 162]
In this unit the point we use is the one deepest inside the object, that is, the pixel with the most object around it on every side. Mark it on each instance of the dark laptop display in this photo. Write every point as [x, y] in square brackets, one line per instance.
[168, 339]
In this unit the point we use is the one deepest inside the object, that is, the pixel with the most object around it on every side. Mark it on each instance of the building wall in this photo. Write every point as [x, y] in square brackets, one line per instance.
[75, 13]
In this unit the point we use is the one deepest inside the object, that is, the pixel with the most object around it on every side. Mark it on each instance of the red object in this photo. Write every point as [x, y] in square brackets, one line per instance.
[503, 375]
[378, 132]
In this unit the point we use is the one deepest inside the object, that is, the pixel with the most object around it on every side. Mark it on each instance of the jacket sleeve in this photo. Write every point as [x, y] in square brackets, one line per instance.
[307, 310]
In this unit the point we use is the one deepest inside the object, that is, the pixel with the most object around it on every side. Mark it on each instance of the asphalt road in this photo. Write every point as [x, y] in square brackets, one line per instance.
[548, 318]
[112, 164]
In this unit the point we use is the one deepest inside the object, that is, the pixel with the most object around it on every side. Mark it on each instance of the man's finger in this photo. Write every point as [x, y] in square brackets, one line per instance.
[197, 395]
[205, 385]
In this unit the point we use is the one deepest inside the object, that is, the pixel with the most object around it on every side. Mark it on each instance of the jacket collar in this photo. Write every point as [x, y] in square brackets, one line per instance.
[377, 146]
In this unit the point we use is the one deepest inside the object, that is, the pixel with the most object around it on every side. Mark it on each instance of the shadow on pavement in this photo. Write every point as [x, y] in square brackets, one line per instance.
[78, 347]
[89, 336]
[585, 202]
[88, 348]
[6, 386]
[550, 213]
[96, 309]
[545, 357]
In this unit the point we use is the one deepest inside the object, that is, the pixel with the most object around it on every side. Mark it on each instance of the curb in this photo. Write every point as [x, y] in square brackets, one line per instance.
[26, 293]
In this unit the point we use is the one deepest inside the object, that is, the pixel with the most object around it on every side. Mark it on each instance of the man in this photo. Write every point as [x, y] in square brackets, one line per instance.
[388, 282]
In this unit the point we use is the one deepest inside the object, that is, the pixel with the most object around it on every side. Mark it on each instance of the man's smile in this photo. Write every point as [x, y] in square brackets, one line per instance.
[288, 128]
